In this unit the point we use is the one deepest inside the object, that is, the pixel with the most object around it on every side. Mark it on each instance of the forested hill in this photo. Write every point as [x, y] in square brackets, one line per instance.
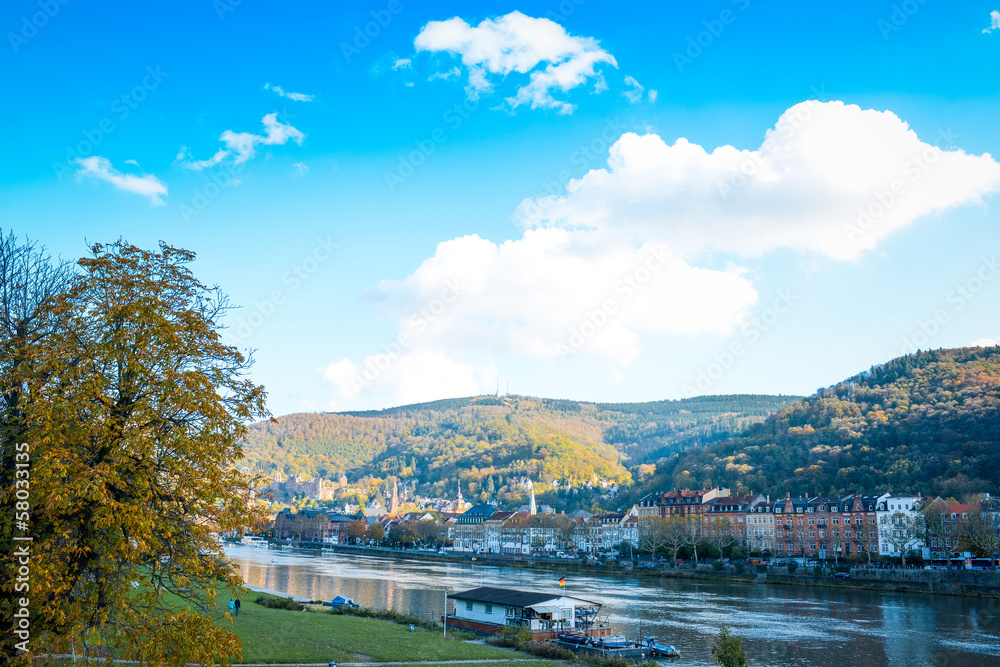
[490, 444]
[927, 422]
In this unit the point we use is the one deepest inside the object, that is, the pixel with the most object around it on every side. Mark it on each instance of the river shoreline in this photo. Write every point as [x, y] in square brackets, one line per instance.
[962, 583]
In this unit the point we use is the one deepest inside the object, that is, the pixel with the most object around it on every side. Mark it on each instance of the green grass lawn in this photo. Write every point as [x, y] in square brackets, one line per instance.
[278, 635]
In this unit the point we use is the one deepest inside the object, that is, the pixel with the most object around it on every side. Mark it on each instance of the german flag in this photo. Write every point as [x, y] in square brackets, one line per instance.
[562, 581]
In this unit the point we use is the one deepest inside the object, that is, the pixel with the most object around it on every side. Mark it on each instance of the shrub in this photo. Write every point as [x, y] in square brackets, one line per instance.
[792, 566]
[739, 567]
[818, 571]
[278, 603]
[548, 651]
[717, 566]
[511, 637]
[762, 568]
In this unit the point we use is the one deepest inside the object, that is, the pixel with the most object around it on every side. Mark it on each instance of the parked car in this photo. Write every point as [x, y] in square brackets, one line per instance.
[648, 566]
[842, 575]
[598, 563]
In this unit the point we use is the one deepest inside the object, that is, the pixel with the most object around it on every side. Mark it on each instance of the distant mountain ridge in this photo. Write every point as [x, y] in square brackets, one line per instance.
[491, 444]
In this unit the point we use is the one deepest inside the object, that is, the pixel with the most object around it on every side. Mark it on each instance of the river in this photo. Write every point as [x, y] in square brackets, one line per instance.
[781, 625]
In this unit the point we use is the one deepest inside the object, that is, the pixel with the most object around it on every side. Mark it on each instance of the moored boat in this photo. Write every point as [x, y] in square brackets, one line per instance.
[661, 650]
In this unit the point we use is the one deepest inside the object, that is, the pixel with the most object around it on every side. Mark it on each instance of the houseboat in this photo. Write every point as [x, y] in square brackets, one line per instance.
[489, 610]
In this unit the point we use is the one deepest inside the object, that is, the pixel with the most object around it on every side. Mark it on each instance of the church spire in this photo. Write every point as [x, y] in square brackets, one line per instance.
[532, 510]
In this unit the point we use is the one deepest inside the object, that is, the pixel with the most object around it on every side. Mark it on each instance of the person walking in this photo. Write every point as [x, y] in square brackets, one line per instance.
[237, 606]
[232, 608]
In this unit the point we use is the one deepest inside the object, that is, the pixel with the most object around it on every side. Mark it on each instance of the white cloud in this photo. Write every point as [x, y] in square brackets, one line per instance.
[300, 168]
[146, 185]
[452, 73]
[652, 95]
[423, 375]
[829, 178]
[519, 43]
[242, 146]
[550, 295]
[985, 342]
[612, 266]
[634, 93]
[298, 97]
[402, 63]
[994, 22]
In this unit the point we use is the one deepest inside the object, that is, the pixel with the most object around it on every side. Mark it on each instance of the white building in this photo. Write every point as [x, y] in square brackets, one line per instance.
[889, 505]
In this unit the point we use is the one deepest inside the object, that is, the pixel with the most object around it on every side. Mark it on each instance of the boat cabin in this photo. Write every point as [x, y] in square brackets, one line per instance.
[489, 610]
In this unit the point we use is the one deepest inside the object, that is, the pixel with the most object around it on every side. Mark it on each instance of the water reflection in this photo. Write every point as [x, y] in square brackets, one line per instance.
[781, 626]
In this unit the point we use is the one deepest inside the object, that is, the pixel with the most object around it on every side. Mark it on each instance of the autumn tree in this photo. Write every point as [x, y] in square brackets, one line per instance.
[981, 529]
[719, 533]
[135, 412]
[653, 534]
[376, 533]
[692, 530]
[29, 283]
[934, 523]
[357, 530]
[677, 534]
[903, 532]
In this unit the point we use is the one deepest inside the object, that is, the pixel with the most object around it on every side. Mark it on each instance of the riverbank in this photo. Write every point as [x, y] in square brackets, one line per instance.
[286, 636]
[966, 583]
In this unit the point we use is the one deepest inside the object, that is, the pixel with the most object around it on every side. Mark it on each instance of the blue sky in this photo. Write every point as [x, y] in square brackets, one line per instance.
[429, 210]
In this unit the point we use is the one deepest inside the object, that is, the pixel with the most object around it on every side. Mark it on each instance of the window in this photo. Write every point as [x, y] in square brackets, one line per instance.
[812, 521]
[836, 521]
[489, 609]
[468, 606]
